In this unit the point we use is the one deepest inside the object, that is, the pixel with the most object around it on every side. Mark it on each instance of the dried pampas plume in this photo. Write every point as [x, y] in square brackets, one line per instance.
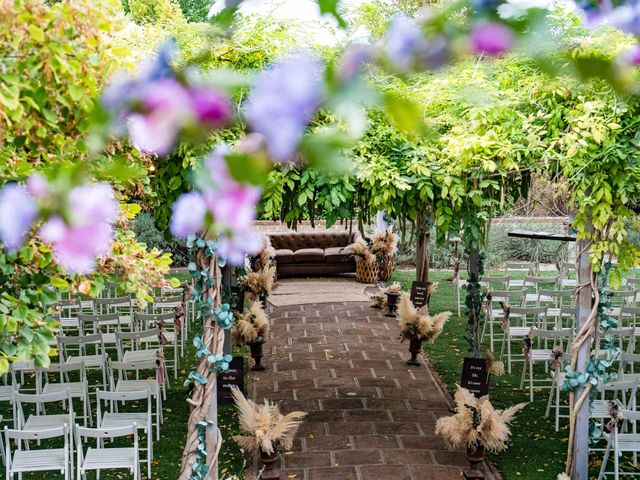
[563, 476]
[419, 323]
[476, 421]
[266, 256]
[395, 287]
[259, 282]
[493, 367]
[358, 247]
[264, 424]
[378, 300]
[250, 325]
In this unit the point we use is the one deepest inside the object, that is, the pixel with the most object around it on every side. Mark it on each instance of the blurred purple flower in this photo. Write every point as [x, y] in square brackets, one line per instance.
[283, 101]
[156, 107]
[626, 17]
[187, 214]
[632, 56]
[234, 248]
[93, 210]
[18, 211]
[37, 185]
[165, 109]
[211, 106]
[402, 41]
[491, 38]
[353, 60]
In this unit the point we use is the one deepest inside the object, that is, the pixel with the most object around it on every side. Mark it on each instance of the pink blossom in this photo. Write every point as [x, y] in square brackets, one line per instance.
[88, 233]
[491, 38]
[210, 106]
[166, 108]
[18, 211]
[632, 56]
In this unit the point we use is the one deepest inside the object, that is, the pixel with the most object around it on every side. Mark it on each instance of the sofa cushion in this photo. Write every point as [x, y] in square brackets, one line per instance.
[309, 255]
[335, 255]
[328, 239]
[284, 255]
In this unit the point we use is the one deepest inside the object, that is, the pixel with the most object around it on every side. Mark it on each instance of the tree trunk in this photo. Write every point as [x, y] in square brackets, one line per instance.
[423, 235]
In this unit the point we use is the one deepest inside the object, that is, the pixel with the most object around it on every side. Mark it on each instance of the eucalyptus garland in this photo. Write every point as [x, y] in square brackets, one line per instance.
[474, 301]
[210, 313]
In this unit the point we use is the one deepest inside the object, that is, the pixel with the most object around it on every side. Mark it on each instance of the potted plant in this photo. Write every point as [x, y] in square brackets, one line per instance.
[417, 326]
[259, 283]
[477, 426]
[393, 293]
[265, 428]
[366, 266]
[378, 300]
[384, 245]
[251, 328]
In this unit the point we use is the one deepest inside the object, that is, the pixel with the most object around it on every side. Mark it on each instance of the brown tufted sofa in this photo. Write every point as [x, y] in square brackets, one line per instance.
[313, 253]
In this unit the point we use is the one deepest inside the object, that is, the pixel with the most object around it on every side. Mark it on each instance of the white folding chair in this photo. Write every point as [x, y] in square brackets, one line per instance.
[630, 316]
[175, 306]
[518, 326]
[496, 300]
[46, 459]
[621, 443]
[123, 306]
[107, 458]
[122, 384]
[107, 325]
[166, 322]
[535, 284]
[44, 421]
[116, 419]
[621, 299]
[568, 275]
[97, 360]
[528, 268]
[555, 300]
[25, 367]
[494, 282]
[550, 343]
[76, 389]
[68, 314]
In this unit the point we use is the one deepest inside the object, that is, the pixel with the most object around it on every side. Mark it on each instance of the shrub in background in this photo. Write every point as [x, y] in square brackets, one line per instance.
[147, 232]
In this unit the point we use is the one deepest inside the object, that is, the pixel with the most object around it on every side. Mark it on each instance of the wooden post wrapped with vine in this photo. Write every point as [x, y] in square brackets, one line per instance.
[200, 457]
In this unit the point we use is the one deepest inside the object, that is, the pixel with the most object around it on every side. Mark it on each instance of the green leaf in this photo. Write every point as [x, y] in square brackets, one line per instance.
[249, 168]
[405, 114]
[36, 33]
[331, 7]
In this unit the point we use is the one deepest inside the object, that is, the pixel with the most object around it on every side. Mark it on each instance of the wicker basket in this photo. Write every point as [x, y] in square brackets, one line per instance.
[385, 269]
[366, 272]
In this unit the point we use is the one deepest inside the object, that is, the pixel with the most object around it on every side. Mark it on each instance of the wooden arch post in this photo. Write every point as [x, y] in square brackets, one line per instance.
[580, 411]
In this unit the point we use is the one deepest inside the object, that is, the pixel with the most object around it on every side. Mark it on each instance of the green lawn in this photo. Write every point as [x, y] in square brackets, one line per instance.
[168, 450]
[537, 452]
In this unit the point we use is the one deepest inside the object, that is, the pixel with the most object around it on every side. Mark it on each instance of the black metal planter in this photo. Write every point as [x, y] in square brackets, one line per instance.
[415, 347]
[256, 354]
[392, 303]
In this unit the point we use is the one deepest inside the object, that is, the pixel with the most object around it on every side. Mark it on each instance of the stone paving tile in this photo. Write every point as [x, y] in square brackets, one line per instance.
[370, 416]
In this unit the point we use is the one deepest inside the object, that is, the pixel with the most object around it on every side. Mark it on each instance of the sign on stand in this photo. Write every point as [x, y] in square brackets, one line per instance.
[233, 376]
[475, 377]
[419, 293]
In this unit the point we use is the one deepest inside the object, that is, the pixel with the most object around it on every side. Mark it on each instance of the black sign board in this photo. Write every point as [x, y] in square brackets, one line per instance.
[233, 376]
[474, 376]
[420, 294]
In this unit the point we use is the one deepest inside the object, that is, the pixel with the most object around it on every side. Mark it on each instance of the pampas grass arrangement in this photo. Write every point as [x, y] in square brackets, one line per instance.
[265, 427]
[251, 325]
[259, 282]
[265, 258]
[384, 243]
[395, 287]
[418, 323]
[378, 300]
[476, 422]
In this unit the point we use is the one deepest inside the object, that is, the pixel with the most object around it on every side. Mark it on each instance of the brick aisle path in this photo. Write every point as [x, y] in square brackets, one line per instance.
[371, 417]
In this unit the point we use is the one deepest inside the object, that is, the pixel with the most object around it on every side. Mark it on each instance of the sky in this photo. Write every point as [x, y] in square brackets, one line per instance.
[322, 29]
